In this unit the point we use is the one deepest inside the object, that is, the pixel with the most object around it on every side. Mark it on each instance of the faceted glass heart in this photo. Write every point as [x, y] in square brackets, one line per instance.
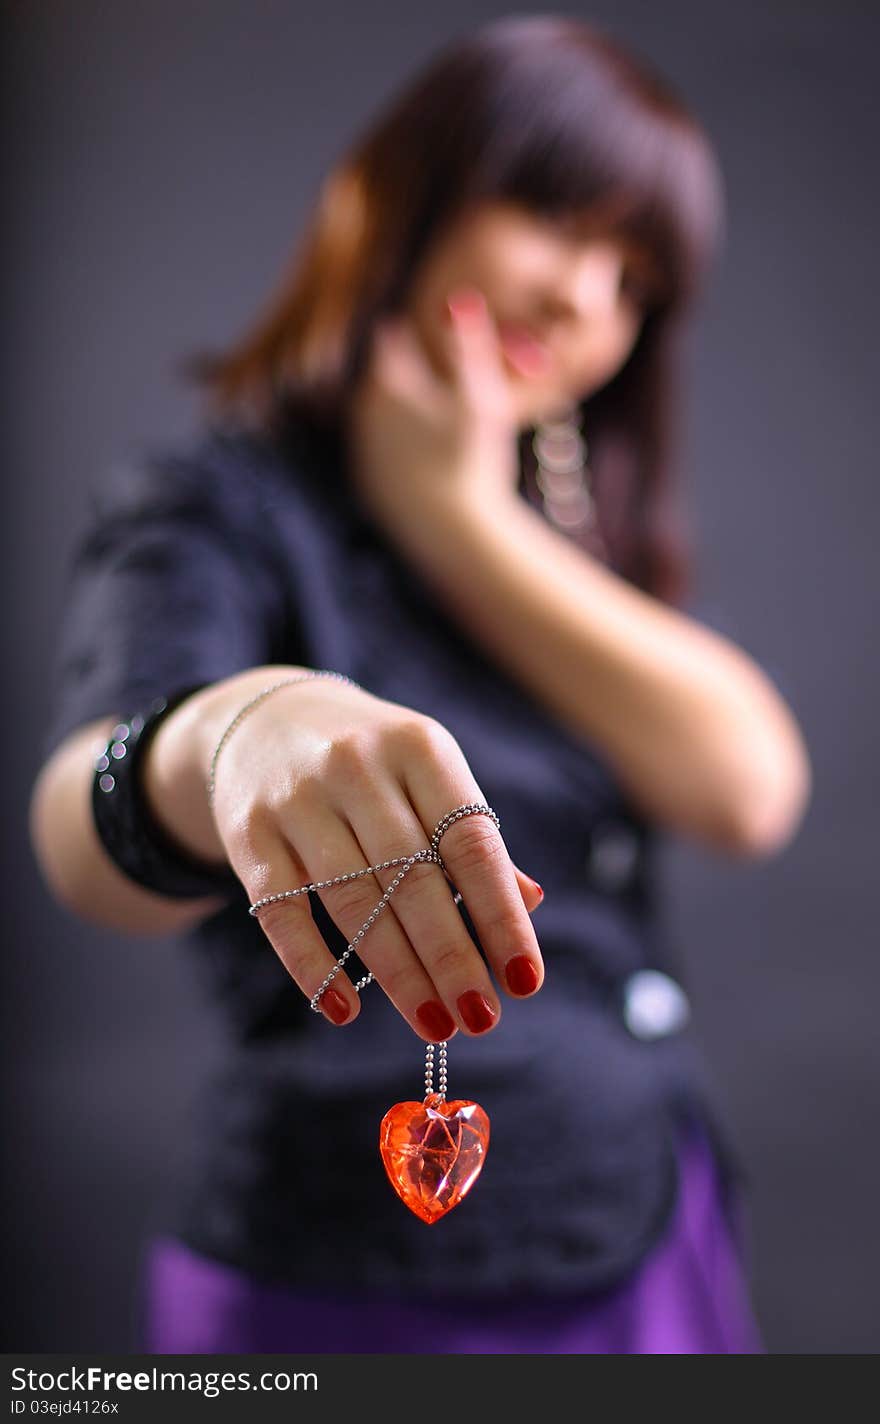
[433, 1152]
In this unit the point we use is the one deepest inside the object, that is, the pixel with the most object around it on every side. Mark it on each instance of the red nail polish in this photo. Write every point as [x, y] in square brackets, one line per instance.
[435, 1019]
[466, 302]
[476, 1010]
[522, 974]
[537, 887]
[334, 1006]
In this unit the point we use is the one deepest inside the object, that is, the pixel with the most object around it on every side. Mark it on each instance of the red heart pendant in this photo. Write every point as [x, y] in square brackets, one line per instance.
[433, 1152]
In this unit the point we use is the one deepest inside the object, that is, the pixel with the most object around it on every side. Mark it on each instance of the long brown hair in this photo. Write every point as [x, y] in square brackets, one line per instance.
[551, 113]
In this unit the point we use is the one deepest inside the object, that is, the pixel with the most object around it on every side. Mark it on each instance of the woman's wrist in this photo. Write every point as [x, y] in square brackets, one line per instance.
[173, 779]
[463, 531]
[175, 767]
[438, 534]
[178, 759]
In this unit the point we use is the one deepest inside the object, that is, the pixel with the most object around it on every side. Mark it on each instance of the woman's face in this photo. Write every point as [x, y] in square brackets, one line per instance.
[568, 308]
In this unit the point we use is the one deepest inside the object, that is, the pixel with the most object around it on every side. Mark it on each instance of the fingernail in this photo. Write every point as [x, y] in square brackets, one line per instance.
[476, 1010]
[435, 1019]
[536, 885]
[334, 1006]
[522, 974]
[466, 302]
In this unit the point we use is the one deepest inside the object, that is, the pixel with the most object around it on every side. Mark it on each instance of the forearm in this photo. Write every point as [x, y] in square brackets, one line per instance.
[694, 729]
[72, 858]
[74, 864]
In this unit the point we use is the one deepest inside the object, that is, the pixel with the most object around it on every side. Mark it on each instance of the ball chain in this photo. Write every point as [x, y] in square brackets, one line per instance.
[431, 855]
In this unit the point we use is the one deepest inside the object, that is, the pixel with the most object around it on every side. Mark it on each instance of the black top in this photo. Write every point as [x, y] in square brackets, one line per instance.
[233, 550]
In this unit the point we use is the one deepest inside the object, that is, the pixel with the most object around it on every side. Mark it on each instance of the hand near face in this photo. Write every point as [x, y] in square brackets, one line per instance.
[420, 436]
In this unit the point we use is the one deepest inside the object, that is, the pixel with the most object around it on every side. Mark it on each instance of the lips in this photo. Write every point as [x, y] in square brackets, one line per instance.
[526, 354]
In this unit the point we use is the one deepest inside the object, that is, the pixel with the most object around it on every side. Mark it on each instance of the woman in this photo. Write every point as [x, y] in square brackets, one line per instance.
[438, 466]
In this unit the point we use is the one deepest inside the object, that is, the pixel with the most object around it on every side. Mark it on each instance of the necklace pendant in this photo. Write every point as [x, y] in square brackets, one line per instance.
[433, 1152]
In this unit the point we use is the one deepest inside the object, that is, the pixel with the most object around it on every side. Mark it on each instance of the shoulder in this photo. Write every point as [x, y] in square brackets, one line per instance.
[216, 466]
[218, 476]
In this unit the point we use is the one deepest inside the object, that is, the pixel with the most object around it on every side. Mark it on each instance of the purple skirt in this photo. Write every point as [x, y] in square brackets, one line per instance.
[690, 1296]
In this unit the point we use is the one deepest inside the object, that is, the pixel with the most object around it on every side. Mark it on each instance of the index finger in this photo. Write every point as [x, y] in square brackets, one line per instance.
[479, 864]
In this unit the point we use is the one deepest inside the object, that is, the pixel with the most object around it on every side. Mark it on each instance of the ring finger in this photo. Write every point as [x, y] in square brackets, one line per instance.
[384, 948]
[424, 905]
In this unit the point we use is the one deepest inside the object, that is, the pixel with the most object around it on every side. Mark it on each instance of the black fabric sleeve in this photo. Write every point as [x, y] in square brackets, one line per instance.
[172, 583]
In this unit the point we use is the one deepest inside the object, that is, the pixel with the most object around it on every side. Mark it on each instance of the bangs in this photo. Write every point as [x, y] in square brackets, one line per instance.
[584, 148]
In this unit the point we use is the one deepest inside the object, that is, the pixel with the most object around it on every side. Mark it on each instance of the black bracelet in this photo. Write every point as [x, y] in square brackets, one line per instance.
[125, 824]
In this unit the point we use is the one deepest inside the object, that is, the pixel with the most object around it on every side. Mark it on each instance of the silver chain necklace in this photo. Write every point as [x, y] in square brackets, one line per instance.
[564, 478]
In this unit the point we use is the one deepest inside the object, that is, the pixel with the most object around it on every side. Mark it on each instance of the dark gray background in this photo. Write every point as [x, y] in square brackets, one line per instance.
[163, 156]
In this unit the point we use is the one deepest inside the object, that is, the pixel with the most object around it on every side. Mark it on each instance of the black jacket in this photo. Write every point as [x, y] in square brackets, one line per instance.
[231, 551]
